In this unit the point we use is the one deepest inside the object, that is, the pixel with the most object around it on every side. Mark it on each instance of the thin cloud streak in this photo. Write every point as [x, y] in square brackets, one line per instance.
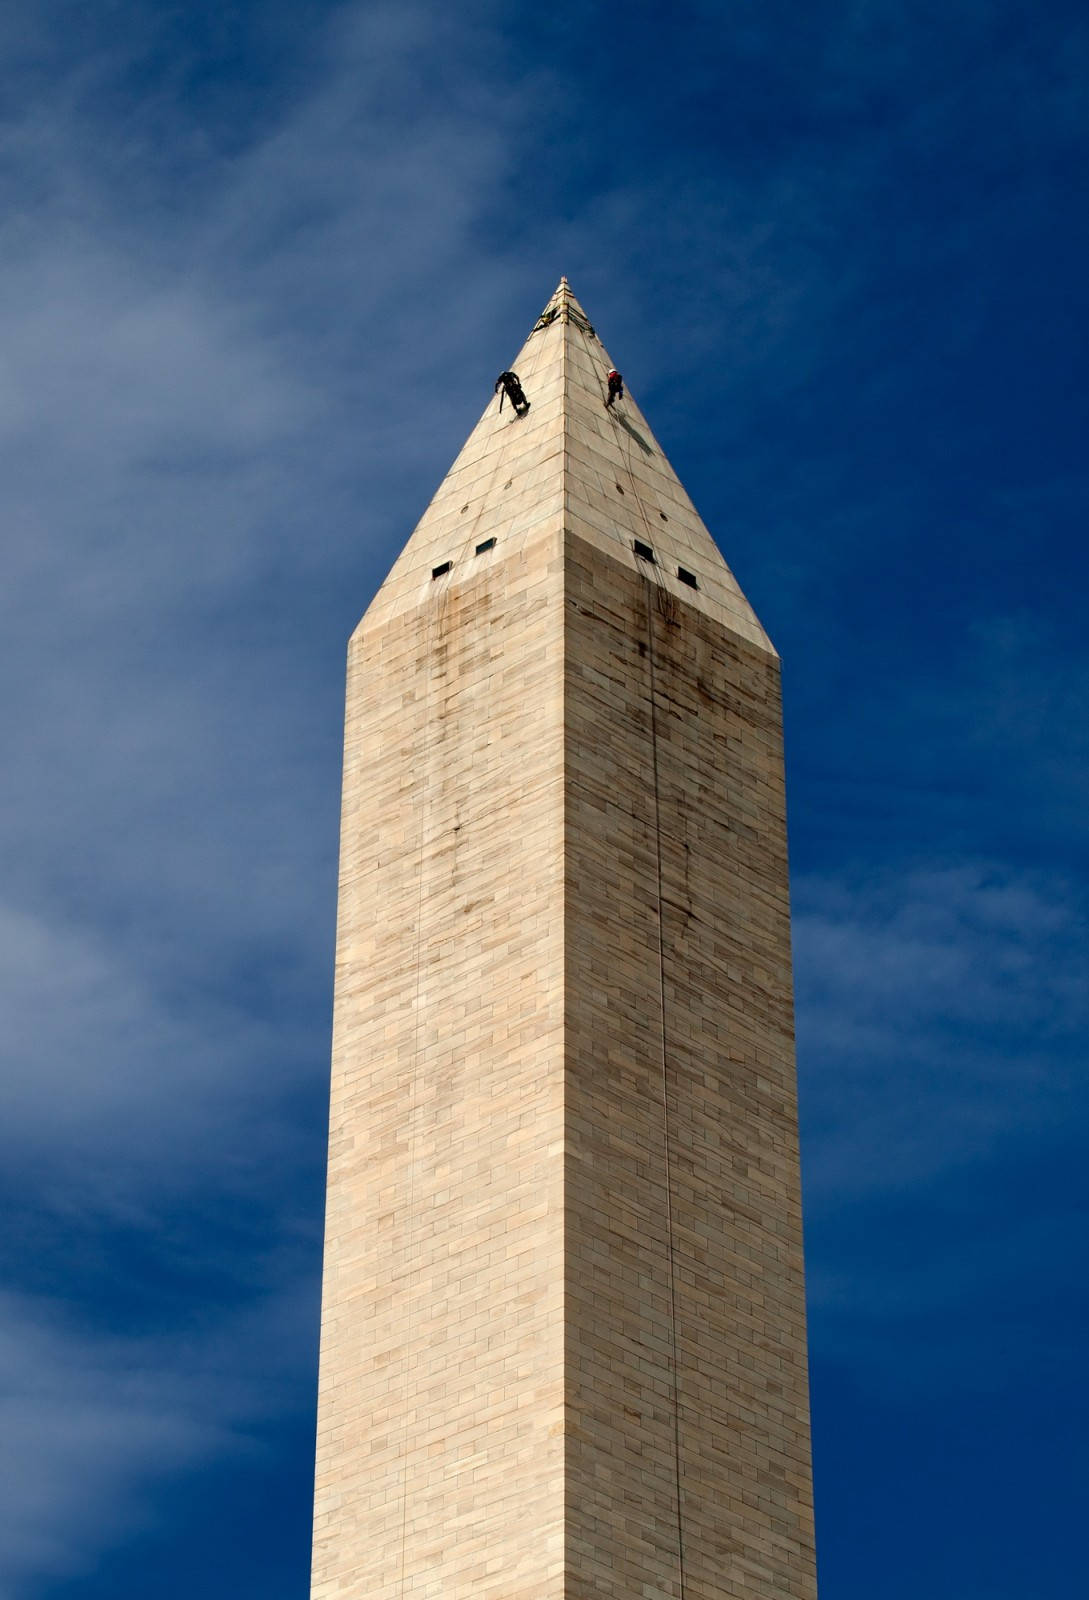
[940, 1015]
[95, 1427]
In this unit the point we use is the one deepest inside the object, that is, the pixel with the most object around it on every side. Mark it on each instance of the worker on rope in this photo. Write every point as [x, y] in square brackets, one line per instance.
[512, 390]
[616, 386]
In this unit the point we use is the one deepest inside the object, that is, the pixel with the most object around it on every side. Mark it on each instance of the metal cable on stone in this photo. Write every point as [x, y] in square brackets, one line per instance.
[675, 1374]
[436, 614]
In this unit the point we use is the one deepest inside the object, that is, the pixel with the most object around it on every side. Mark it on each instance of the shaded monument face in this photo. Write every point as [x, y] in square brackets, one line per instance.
[563, 1341]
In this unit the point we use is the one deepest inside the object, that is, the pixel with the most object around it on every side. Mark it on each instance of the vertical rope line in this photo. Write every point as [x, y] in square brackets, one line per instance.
[665, 1088]
[664, 603]
[586, 339]
[528, 527]
[412, 1119]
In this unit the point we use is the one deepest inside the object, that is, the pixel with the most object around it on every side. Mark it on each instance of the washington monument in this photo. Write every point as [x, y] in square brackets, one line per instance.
[563, 1345]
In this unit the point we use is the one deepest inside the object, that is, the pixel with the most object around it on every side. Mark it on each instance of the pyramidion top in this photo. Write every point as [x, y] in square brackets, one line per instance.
[569, 464]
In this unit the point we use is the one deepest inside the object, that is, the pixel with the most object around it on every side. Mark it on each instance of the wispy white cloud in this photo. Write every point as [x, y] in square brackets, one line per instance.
[942, 1017]
[93, 1428]
[939, 1013]
[113, 1080]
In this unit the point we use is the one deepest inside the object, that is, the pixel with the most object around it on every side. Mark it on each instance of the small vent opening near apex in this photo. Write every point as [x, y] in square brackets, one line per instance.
[485, 544]
[688, 577]
[437, 572]
[643, 551]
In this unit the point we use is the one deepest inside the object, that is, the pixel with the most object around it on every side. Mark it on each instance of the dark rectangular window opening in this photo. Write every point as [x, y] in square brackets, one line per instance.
[485, 544]
[437, 572]
[687, 577]
[643, 550]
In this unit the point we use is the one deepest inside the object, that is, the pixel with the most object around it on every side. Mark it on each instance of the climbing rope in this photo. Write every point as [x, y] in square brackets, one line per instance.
[666, 606]
[435, 618]
[648, 585]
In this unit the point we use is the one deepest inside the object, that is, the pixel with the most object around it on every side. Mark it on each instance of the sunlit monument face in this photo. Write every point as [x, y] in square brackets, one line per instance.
[563, 1343]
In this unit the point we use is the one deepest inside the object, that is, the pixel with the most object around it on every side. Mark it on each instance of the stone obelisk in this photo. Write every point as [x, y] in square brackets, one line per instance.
[563, 1335]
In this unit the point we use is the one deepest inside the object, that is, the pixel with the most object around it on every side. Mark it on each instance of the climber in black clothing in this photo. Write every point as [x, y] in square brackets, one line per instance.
[512, 390]
[616, 386]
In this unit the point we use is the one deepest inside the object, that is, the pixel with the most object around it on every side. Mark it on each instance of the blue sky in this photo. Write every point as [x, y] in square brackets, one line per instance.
[259, 265]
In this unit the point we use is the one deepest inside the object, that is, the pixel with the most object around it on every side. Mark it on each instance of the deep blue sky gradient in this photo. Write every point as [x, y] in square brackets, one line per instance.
[259, 264]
